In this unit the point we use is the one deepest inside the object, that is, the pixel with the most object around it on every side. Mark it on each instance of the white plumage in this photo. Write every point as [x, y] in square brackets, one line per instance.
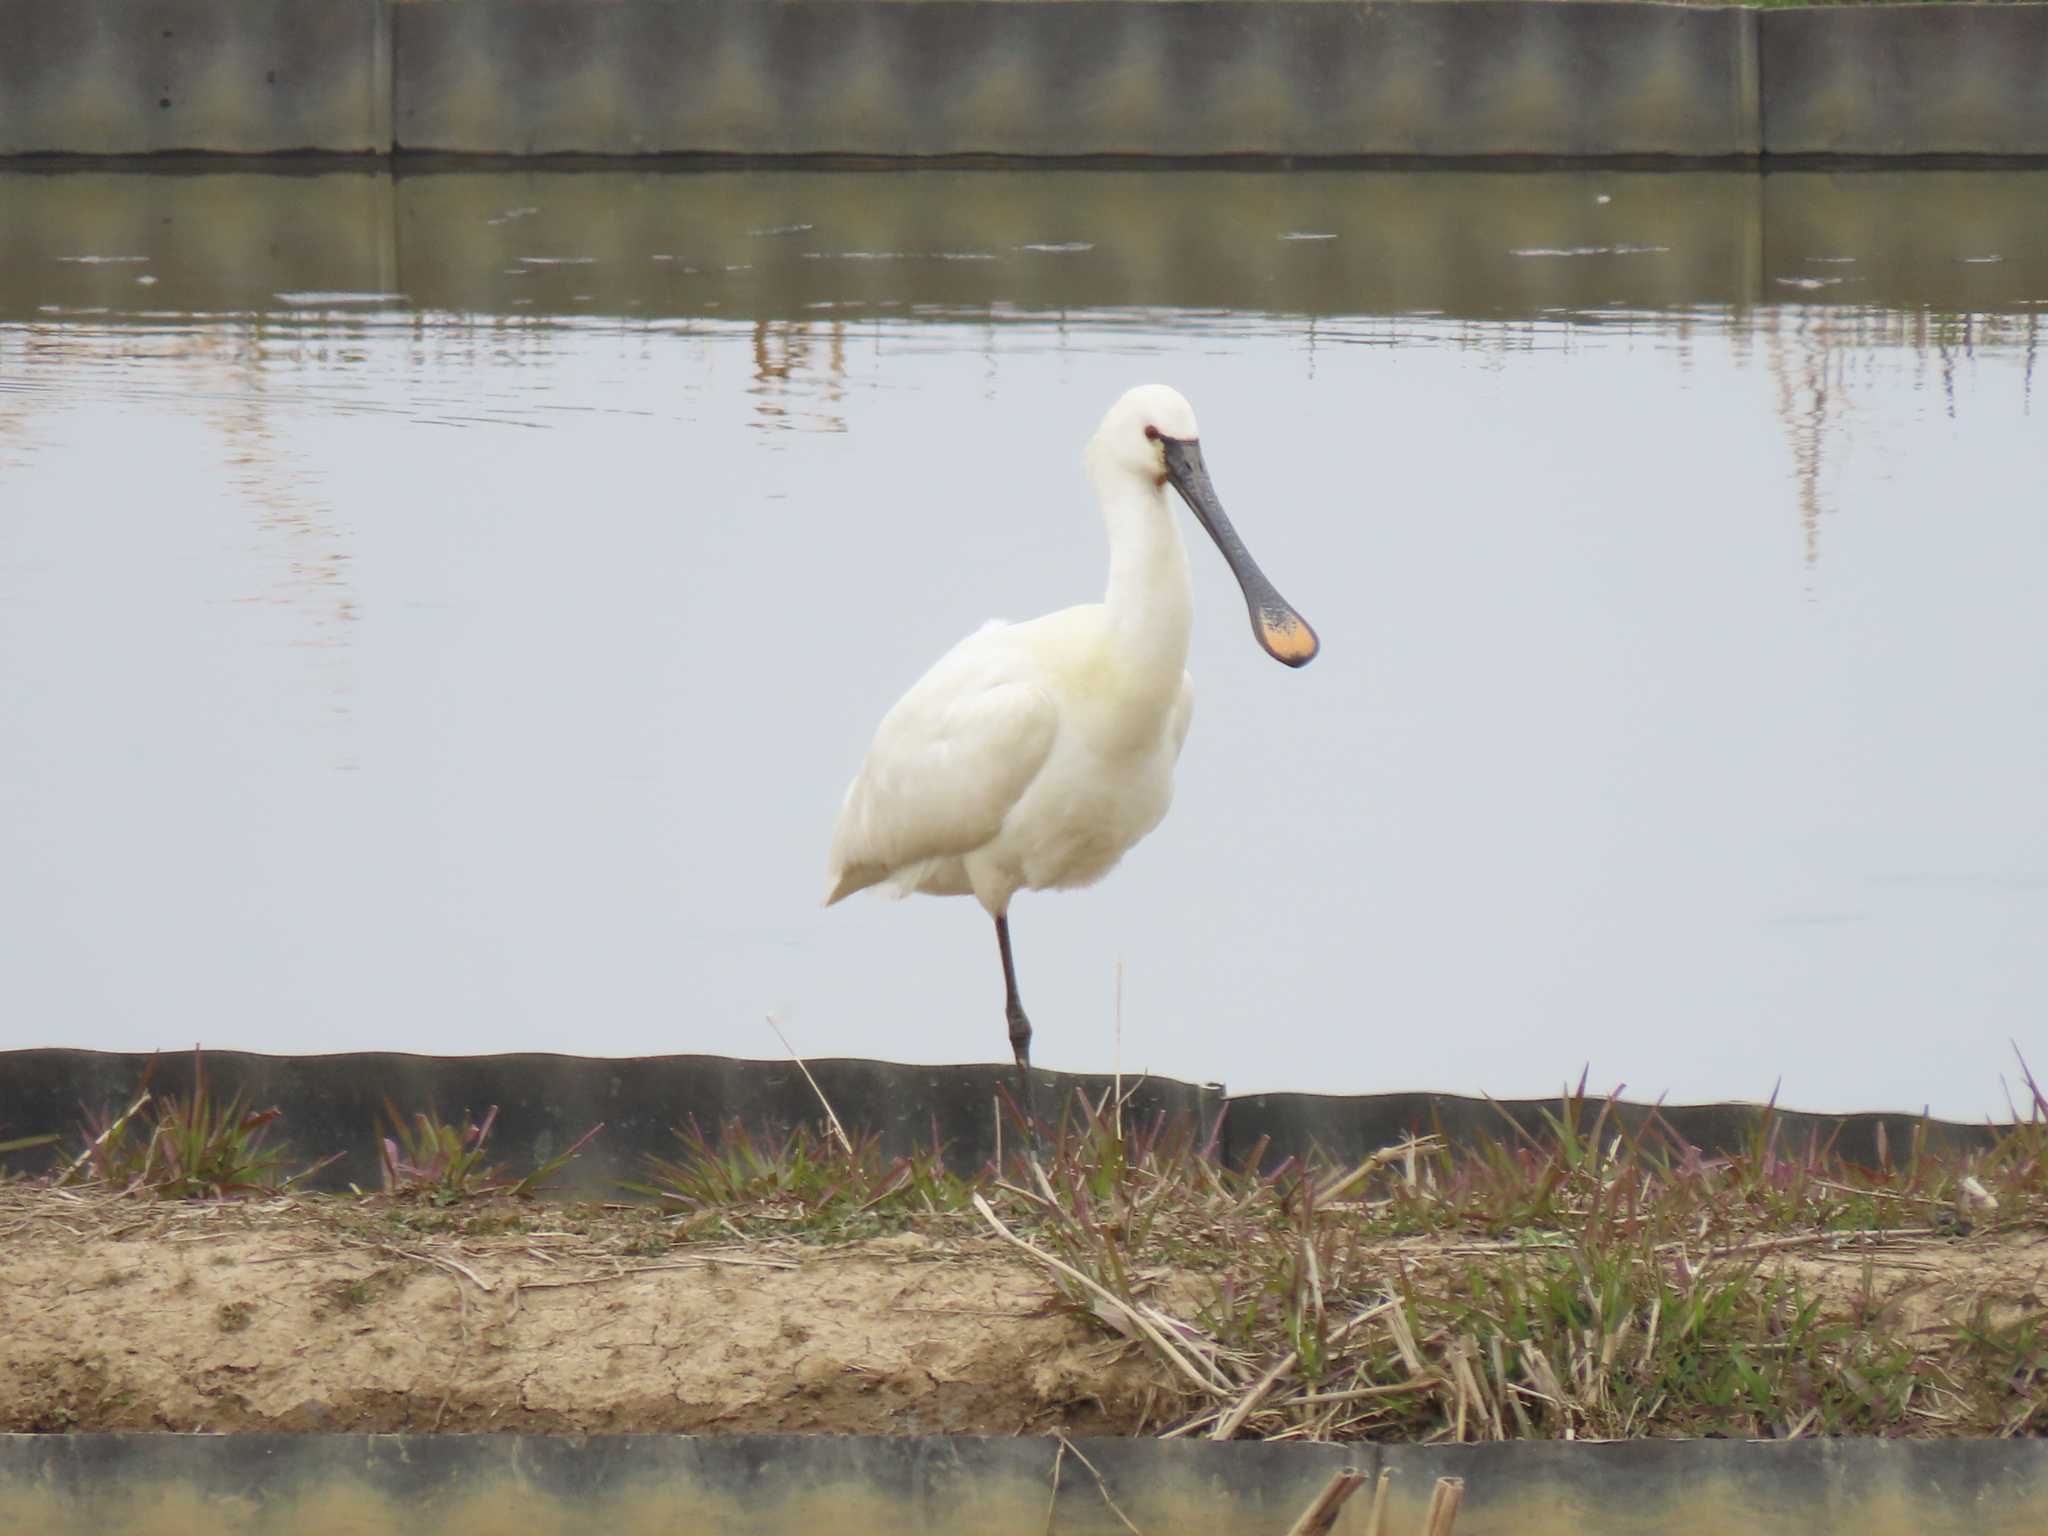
[1032, 756]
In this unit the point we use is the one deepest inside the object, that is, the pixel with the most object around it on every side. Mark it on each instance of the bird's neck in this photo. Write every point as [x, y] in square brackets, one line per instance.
[1150, 601]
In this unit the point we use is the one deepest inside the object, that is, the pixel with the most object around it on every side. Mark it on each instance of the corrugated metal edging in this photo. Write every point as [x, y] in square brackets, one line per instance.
[363, 1485]
[545, 1102]
[1347, 1129]
[338, 1104]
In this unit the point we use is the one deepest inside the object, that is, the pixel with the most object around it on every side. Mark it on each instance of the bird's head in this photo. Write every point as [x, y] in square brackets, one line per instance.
[1135, 433]
[1150, 434]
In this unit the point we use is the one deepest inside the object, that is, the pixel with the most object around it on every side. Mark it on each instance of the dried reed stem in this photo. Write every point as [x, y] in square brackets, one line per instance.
[1317, 1519]
[838, 1130]
[1233, 1421]
[1138, 1320]
[1444, 1500]
[1053, 1502]
[1401, 1153]
[1376, 1518]
[1101, 1487]
[100, 1140]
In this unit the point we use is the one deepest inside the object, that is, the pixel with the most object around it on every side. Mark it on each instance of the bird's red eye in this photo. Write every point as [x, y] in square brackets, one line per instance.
[1151, 432]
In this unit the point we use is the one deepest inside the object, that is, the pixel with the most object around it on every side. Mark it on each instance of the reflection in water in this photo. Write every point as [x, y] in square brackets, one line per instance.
[226, 375]
[782, 359]
[304, 550]
[240, 369]
[1801, 367]
[20, 410]
[1581, 711]
[1816, 357]
[1492, 245]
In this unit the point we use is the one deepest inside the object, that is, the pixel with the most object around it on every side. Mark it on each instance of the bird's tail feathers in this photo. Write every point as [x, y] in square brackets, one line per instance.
[842, 883]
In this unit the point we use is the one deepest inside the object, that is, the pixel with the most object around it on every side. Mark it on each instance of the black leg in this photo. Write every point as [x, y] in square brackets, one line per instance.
[1013, 1009]
[1020, 1033]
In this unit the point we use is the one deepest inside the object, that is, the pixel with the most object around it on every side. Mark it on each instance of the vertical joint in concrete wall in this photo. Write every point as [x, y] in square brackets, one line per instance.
[384, 133]
[1749, 41]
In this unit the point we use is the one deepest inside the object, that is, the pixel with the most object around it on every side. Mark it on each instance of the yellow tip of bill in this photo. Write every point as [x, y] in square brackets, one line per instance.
[1287, 637]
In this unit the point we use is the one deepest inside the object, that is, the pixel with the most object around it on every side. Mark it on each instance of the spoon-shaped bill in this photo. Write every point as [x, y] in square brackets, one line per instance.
[1281, 632]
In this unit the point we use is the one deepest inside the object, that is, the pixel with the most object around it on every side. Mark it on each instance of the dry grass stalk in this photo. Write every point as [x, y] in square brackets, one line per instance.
[1101, 1487]
[1403, 1153]
[114, 1128]
[832, 1118]
[446, 1263]
[1052, 1502]
[1376, 1517]
[1233, 1420]
[1444, 1500]
[1138, 1320]
[1317, 1519]
[1366, 1394]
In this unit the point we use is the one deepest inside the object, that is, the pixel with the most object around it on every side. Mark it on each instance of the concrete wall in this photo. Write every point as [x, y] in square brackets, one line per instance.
[123, 77]
[1017, 77]
[1906, 80]
[486, 1485]
[1075, 77]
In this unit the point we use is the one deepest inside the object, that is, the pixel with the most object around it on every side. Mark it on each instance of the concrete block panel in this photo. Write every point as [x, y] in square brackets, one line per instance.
[1073, 77]
[935, 1485]
[127, 77]
[1906, 80]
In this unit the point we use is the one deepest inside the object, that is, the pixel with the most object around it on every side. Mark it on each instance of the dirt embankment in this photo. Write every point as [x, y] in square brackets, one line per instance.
[326, 1313]
[311, 1316]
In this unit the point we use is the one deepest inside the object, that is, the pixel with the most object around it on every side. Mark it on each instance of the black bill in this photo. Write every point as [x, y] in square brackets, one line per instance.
[1282, 633]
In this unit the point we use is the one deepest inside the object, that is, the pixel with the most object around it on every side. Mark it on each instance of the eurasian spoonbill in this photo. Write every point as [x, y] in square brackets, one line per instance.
[1033, 755]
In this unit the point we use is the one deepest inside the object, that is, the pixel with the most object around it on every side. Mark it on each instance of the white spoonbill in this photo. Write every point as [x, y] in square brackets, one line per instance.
[1033, 755]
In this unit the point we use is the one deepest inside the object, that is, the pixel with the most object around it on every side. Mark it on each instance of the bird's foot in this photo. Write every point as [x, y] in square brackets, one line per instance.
[1020, 1046]
[1020, 1035]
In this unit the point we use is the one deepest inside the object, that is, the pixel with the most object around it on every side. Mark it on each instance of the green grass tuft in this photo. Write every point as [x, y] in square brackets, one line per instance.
[182, 1149]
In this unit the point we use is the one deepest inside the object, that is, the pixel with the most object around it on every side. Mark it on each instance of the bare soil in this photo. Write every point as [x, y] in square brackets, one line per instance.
[323, 1313]
[319, 1315]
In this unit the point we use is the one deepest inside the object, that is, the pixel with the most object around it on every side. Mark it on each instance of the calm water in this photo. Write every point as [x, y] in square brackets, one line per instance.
[441, 613]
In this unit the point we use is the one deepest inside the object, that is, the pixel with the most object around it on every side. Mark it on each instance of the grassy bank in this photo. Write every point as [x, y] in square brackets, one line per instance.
[1554, 1284]
[1557, 1282]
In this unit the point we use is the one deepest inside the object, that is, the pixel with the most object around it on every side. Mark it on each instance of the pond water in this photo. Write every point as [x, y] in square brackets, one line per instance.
[440, 612]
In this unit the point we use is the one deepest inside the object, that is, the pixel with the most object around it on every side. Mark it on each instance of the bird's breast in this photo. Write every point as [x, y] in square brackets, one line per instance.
[1086, 808]
[1119, 705]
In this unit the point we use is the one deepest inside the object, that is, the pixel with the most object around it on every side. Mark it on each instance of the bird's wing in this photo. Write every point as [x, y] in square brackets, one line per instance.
[948, 762]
